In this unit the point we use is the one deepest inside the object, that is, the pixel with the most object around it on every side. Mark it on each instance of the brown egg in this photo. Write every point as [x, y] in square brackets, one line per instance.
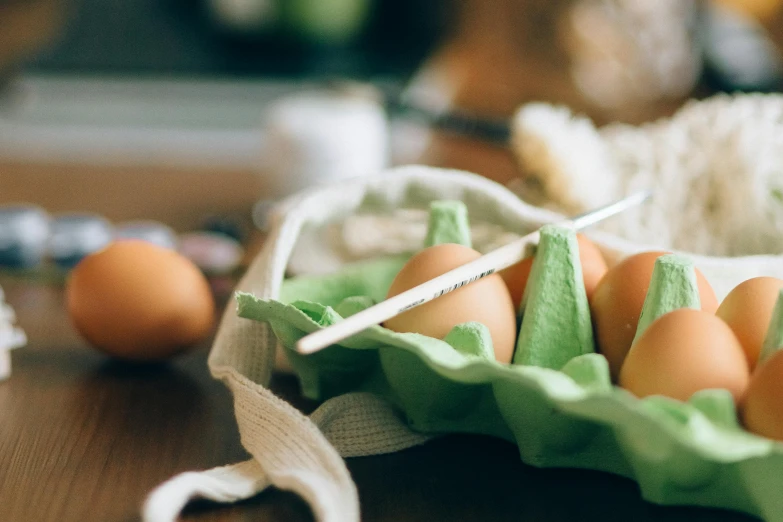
[617, 304]
[486, 301]
[683, 352]
[593, 269]
[138, 301]
[748, 310]
[761, 409]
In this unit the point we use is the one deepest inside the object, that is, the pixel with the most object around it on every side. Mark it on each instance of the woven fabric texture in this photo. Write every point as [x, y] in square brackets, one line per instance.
[703, 163]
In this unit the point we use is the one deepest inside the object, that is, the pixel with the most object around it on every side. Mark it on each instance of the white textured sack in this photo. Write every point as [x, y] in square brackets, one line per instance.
[716, 165]
[304, 455]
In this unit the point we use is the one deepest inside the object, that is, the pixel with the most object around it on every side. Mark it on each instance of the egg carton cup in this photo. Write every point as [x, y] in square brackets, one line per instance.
[384, 392]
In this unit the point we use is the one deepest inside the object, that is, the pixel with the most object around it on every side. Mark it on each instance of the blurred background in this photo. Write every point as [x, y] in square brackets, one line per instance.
[184, 111]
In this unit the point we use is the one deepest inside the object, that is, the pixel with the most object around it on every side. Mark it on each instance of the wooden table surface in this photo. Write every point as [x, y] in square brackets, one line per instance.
[83, 438]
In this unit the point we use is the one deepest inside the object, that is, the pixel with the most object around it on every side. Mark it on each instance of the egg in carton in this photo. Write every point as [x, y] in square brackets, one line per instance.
[556, 399]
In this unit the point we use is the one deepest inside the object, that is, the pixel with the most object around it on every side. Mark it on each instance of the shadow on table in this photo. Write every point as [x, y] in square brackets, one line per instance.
[473, 478]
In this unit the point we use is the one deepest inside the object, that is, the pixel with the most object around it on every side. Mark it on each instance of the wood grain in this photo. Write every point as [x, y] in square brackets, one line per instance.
[83, 438]
[179, 197]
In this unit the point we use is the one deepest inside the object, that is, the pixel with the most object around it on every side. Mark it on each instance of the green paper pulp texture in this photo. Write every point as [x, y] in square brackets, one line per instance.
[680, 453]
[556, 324]
[773, 341]
[672, 286]
[448, 223]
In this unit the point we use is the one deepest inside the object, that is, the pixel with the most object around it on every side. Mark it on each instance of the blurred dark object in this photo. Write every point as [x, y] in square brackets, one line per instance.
[613, 60]
[74, 236]
[227, 226]
[247, 38]
[25, 27]
[739, 54]
[24, 232]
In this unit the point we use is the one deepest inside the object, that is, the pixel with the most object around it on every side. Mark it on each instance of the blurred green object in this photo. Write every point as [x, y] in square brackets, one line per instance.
[326, 22]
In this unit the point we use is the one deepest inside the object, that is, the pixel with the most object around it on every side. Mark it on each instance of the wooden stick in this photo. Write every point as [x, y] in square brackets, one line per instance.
[487, 264]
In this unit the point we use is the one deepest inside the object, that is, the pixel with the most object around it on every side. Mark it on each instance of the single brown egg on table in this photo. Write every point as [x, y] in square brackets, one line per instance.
[762, 406]
[747, 309]
[486, 301]
[137, 301]
[617, 304]
[590, 257]
[682, 352]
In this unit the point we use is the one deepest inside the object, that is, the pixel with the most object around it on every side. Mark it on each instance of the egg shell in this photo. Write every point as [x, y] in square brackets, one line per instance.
[618, 300]
[593, 269]
[682, 352]
[138, 301]
[486, 301]
[761, 409]
[747, 309]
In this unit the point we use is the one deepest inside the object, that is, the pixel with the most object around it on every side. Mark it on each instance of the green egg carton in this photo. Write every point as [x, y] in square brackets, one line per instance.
[567, 415]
